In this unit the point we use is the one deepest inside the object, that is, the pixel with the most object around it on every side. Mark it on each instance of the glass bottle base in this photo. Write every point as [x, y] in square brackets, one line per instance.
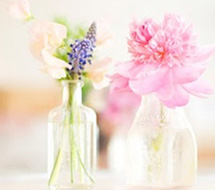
[159, 188]
[72, 186]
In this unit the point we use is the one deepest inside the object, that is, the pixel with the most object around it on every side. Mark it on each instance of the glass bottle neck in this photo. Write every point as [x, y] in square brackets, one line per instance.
[154, 111]
[72, 93]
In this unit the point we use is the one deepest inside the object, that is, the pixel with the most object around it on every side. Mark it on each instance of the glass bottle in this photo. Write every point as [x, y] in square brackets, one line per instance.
[72, 138]
[162, 150]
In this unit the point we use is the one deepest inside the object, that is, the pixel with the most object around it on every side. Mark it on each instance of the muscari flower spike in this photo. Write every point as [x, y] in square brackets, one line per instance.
[81, 52]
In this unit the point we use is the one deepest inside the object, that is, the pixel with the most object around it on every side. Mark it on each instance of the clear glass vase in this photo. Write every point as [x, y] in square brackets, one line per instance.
[72, 134]
[162, 150]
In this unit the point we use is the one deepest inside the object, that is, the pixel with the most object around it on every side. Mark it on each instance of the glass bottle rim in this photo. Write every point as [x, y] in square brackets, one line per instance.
[65, 82]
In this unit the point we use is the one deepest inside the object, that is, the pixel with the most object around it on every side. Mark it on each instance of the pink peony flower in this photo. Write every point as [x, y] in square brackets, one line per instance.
[20, 10]
[120, 110]
[166, 60]
[120, 84]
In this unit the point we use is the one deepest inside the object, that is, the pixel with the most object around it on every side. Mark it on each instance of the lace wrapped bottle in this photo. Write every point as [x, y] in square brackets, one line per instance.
[162, 150]
[71, 141]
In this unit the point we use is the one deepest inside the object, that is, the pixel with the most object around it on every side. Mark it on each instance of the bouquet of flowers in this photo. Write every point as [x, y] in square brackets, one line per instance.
[57, 45]
[67, 56]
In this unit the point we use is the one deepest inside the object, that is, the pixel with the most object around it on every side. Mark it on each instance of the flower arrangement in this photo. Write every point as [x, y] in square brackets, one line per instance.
[166, 61]
[80, 55]
[67, 54]
[65, 50]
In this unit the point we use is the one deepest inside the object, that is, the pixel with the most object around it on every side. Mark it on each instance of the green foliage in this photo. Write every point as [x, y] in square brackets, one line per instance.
[61, 52]
[73, 32]
[86, 89]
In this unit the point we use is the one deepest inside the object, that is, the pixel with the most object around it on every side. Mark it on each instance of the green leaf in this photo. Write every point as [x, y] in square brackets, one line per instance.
[73, 32]
[86, 89]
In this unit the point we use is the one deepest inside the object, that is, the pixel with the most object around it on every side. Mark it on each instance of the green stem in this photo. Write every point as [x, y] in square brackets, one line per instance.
[156, 145]
[74, 147]
[161, 115]
[71, 133]
[58, 161]
[56, 167]
[157, 141]
[83, 166]
[71, 139]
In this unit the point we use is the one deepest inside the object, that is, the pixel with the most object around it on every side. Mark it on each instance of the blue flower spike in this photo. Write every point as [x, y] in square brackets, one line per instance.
[81, 52]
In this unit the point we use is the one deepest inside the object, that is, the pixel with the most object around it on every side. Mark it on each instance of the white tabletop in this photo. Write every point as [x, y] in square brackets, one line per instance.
[105, 181]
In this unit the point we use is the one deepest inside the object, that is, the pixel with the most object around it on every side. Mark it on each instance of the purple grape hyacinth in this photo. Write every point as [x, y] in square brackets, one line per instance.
[81, 52]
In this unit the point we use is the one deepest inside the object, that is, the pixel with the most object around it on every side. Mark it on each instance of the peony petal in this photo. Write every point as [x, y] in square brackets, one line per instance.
[198, 88]
[151, 82]
[133, 69]
[165, 92]
[119, 84]
[203, 53]
[180, 97]
[189, 73]
[127, 69]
